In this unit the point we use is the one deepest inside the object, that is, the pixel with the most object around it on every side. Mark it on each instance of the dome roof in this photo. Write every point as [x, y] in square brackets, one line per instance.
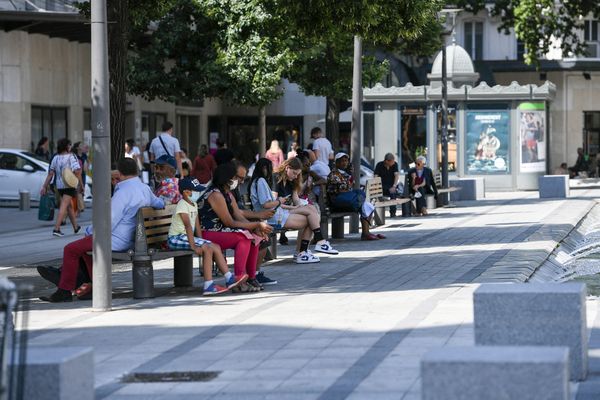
[459, 66]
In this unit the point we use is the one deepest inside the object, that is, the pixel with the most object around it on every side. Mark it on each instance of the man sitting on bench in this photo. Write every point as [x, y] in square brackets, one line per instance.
[130, 195]
[387, 170]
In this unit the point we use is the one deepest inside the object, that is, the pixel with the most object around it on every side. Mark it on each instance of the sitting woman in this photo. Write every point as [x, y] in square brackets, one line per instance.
[289, 186]
[223, 223]
[343, 198]
[421, 183]
[287, 216]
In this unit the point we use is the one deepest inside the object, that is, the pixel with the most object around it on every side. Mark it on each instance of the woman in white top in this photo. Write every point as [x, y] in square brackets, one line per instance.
[67, 190]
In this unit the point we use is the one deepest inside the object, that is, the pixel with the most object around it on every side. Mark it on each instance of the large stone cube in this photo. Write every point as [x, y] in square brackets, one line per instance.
[553, 186]
[534, 314]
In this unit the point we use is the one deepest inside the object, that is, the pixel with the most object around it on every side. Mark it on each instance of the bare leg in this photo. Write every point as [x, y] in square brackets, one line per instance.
[62, 211]
[261, 258]
[219, 259]
[314, 219]
[72, 215]
[207, 260]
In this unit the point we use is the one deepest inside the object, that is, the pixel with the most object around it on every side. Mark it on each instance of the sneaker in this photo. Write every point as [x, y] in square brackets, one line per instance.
[306, 257]
[324, 247]
[76, 230]
[214, 289]
[255, 284]
[263, 280]
[60, 296]
[233, 282]
[57, 233]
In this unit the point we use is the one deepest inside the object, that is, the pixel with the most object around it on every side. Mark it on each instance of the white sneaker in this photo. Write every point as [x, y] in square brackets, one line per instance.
[306, 257]
[325, 247]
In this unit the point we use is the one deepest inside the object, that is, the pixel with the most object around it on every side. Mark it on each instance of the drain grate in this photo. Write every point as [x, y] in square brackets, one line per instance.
[179, 376]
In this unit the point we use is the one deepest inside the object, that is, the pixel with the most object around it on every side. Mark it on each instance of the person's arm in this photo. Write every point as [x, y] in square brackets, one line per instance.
[179, 162]
[198, 227]
[46, 182]
[219, 206]
[156, 202]
[185, 218]
[264, 195]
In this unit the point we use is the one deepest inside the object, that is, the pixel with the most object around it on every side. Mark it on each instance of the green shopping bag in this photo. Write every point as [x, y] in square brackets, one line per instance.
[46, 210]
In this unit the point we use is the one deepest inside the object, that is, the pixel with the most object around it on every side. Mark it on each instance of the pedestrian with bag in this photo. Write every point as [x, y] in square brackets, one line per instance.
[67, 170]
[165, 143]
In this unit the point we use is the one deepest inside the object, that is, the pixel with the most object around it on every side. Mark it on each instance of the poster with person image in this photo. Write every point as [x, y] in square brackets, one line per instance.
[488, 142]
[532, 135]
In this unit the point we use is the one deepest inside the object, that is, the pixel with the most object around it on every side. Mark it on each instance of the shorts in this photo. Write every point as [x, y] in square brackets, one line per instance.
[69, 192]
[279, 219]
[180, 242]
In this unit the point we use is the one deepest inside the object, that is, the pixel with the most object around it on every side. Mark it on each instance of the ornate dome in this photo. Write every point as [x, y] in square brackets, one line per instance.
[459, 67]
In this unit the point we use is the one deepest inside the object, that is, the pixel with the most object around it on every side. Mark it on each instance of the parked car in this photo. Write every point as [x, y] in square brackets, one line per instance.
[21, 170]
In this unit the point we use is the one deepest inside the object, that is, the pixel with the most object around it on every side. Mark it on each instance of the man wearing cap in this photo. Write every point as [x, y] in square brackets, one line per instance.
[387, 170]
[342, 196]
[164, 171]
[130, 195]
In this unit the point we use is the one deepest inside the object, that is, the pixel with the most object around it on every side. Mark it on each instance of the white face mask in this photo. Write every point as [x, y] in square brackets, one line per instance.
[195, 196]
[233, 184]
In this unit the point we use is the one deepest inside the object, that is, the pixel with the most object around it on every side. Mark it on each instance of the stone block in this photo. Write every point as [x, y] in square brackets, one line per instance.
[495, 373]
[470, 189]
[59, 373]
[553, 186]
[534, 314]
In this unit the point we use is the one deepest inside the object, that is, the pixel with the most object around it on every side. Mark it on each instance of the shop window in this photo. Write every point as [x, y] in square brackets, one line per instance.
[50, 122]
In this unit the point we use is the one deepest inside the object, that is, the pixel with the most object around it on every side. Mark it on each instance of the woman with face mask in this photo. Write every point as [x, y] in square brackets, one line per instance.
[223, 223]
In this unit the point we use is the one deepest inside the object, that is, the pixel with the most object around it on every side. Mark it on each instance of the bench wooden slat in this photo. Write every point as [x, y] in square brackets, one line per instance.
[151, 232]
[149, 212]
[392, 202]
[157, 239]
[157, 222]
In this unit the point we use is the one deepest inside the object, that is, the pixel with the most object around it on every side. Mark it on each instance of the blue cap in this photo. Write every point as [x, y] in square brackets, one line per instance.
[190, 184]
[167, 160]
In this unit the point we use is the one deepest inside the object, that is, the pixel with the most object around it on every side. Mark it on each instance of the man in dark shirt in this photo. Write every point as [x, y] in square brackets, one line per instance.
[223, 154]
[387, 170]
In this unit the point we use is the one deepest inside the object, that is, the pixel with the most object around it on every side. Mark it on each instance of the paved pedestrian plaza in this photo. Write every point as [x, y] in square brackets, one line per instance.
[354, 326]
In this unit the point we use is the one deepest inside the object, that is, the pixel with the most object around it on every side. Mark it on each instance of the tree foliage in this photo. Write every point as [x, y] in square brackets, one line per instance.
[541, 24]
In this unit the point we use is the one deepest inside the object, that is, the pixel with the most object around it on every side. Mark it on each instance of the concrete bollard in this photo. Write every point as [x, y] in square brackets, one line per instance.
[24, 200]
[495, 373]
[534, 314]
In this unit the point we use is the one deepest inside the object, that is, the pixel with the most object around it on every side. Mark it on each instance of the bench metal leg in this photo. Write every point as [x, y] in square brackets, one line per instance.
[380, 216]
[184, 270]
[354, 224]
[325, 228]
[337, 228]
[273, 247]
[143, 279]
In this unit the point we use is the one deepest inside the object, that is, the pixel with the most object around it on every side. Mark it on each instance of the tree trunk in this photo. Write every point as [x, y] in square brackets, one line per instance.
[262, 131]
[118, 42]
[332, 122]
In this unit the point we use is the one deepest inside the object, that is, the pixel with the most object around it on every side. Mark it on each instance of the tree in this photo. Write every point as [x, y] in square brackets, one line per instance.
[323, 66]
[541, 24]
[127, 19]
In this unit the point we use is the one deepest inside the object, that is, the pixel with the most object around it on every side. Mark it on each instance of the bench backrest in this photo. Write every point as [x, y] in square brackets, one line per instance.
[373, 189]
[152, 227]
[437, 177]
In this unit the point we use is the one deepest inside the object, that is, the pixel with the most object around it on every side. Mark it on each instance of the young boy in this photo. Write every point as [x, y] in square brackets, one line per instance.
[181, 237]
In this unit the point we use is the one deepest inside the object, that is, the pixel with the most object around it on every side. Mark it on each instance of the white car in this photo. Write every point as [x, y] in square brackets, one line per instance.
[21, 170]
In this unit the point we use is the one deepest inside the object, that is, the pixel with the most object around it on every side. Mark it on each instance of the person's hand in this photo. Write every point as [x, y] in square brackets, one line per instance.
[416, 188]
[266, 214]
[43, 191]
[393, 190]
[265, 228]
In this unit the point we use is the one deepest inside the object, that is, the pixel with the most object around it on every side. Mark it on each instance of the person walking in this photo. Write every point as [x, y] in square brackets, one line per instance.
[165, 143]
[274, 154]
[65, 167]
[204, 165]
[321, 146]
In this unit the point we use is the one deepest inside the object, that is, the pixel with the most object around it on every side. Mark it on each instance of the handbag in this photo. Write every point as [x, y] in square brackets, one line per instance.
[349, 201]
[69, 178]
[46, 208]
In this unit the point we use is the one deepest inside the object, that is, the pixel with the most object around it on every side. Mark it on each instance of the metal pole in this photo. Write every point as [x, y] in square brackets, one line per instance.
[444, 124]
[101, 217]
[355, 150]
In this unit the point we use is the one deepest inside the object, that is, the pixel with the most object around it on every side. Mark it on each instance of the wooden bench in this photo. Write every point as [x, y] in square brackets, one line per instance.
[151, 234]
[374, 192]
[437, 177]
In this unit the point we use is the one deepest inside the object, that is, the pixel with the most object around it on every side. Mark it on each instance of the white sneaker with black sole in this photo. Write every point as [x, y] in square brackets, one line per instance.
[324, 247]
[306, 257]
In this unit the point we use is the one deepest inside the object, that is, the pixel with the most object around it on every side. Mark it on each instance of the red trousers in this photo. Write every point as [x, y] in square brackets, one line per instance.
[246, 253]
[70, 266]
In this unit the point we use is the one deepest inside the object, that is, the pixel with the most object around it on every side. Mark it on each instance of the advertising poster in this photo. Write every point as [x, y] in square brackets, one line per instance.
[488, 142]
[532, 137]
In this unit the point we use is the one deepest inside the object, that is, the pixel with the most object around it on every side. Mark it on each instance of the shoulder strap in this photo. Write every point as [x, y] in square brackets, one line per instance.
[163, 145]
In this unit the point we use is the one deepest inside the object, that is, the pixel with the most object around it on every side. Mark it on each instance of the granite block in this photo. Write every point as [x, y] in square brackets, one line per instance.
[59, 373]
[534, 314]
[553, 186]
[495, 373]
[470, 189]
